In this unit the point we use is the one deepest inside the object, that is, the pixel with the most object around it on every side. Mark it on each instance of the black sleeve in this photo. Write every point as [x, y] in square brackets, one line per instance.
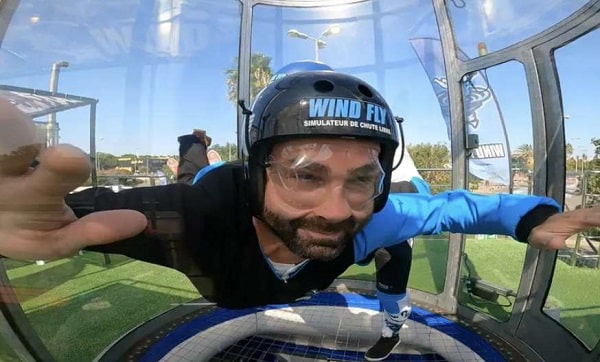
[532, 219]
[164, 241]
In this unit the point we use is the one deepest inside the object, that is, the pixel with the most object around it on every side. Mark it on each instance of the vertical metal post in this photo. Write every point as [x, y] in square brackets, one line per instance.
[93, 155]
[51, 125]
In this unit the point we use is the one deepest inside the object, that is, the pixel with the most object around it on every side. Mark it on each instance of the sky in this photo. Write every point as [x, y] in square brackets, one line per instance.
[158, 68]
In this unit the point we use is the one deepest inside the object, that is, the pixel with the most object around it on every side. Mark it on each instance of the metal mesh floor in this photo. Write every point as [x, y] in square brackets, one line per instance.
[329, 327]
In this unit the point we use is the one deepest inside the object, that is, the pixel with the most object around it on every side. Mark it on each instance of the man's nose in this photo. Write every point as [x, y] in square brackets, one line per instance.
[335, 207]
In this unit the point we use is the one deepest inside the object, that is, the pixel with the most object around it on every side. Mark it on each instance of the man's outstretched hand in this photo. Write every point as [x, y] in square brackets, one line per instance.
[554, 232]
[35, 222]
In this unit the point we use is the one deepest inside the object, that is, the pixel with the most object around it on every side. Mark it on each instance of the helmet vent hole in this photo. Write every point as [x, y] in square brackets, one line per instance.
[323, 86]
[365, 90]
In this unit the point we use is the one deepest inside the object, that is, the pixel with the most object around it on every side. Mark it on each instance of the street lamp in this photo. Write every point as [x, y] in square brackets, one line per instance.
[319, 41]
[51, 126]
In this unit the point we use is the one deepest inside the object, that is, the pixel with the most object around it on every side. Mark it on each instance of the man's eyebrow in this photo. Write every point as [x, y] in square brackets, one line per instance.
[365, 170]
[309, 166]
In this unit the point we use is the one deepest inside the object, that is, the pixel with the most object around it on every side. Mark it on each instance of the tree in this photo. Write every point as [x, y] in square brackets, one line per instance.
[522, 157]
[260, 76]
[569, 150]
[228, 152]
[106, 161]
[596, 143]
[428, 156]
[571, 160]
[593, 182]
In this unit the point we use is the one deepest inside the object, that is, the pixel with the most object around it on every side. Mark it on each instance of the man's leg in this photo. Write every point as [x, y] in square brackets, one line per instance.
[392, 270]
[192, 157]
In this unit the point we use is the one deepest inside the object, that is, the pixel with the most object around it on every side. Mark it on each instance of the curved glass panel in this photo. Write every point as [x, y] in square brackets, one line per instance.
[381, 42]
[574, 299]
[498, 112]
[94, 299]
[159, 70]
[489, 25]
[6, 352]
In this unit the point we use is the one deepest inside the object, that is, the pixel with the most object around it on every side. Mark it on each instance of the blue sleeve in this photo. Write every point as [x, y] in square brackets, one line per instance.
[408, 215]
[421, 186]
[206, 169]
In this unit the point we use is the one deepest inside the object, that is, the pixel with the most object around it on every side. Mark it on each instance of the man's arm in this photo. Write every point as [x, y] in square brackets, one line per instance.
[163, 241]
[409, 215]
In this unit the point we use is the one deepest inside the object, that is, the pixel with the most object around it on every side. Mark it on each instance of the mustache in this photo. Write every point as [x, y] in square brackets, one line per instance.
[320, 225]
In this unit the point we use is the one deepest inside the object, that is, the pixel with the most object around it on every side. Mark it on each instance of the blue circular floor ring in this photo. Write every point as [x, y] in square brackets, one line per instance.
[480, 348]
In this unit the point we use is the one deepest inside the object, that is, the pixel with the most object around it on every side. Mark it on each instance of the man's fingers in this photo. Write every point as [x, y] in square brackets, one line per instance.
[590, 216]
[99, 228]
[108, 226]
[62, 169]
[95, 229]
[18, 140]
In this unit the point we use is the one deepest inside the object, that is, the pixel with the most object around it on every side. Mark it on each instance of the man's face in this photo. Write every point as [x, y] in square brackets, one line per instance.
[319, 193]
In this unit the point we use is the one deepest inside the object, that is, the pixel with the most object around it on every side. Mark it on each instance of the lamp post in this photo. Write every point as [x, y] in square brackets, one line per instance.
[51, 126]
[318, 41]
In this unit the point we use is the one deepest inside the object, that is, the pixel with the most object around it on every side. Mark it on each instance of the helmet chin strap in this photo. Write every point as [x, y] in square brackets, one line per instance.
[247, 113]
[401, 144]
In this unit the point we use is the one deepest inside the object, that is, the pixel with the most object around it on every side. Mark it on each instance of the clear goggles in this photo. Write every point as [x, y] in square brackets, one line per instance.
[306, 175]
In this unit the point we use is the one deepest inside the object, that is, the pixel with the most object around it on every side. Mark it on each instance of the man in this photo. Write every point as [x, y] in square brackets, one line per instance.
[392, 263]
[312, 200]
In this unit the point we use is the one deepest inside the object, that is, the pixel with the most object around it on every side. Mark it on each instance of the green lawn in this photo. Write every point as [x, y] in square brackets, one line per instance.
[500, 261]
[79, 306]
[6, 353]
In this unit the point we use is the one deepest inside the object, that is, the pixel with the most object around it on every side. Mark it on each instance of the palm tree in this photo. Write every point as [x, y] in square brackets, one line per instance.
[260, 76]
[524, 156]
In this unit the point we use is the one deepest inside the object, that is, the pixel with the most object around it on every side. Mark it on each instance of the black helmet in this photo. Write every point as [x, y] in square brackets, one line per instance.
[317, 104]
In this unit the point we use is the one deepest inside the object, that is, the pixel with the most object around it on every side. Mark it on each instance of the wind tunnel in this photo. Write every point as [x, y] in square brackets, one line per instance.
[496, 96]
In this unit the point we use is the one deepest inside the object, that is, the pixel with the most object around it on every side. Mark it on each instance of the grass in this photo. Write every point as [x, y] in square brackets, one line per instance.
[428, 269]
[79, 306]
[500, 262]
[6, 353]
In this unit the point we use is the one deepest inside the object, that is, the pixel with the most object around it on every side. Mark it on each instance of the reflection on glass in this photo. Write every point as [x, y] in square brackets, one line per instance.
[498, 114]
[497, 111]
[159, 69]
[574, 299]
[490, 25]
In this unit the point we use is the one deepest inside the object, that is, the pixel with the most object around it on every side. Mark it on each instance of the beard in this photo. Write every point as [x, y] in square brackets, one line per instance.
[323, 249]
